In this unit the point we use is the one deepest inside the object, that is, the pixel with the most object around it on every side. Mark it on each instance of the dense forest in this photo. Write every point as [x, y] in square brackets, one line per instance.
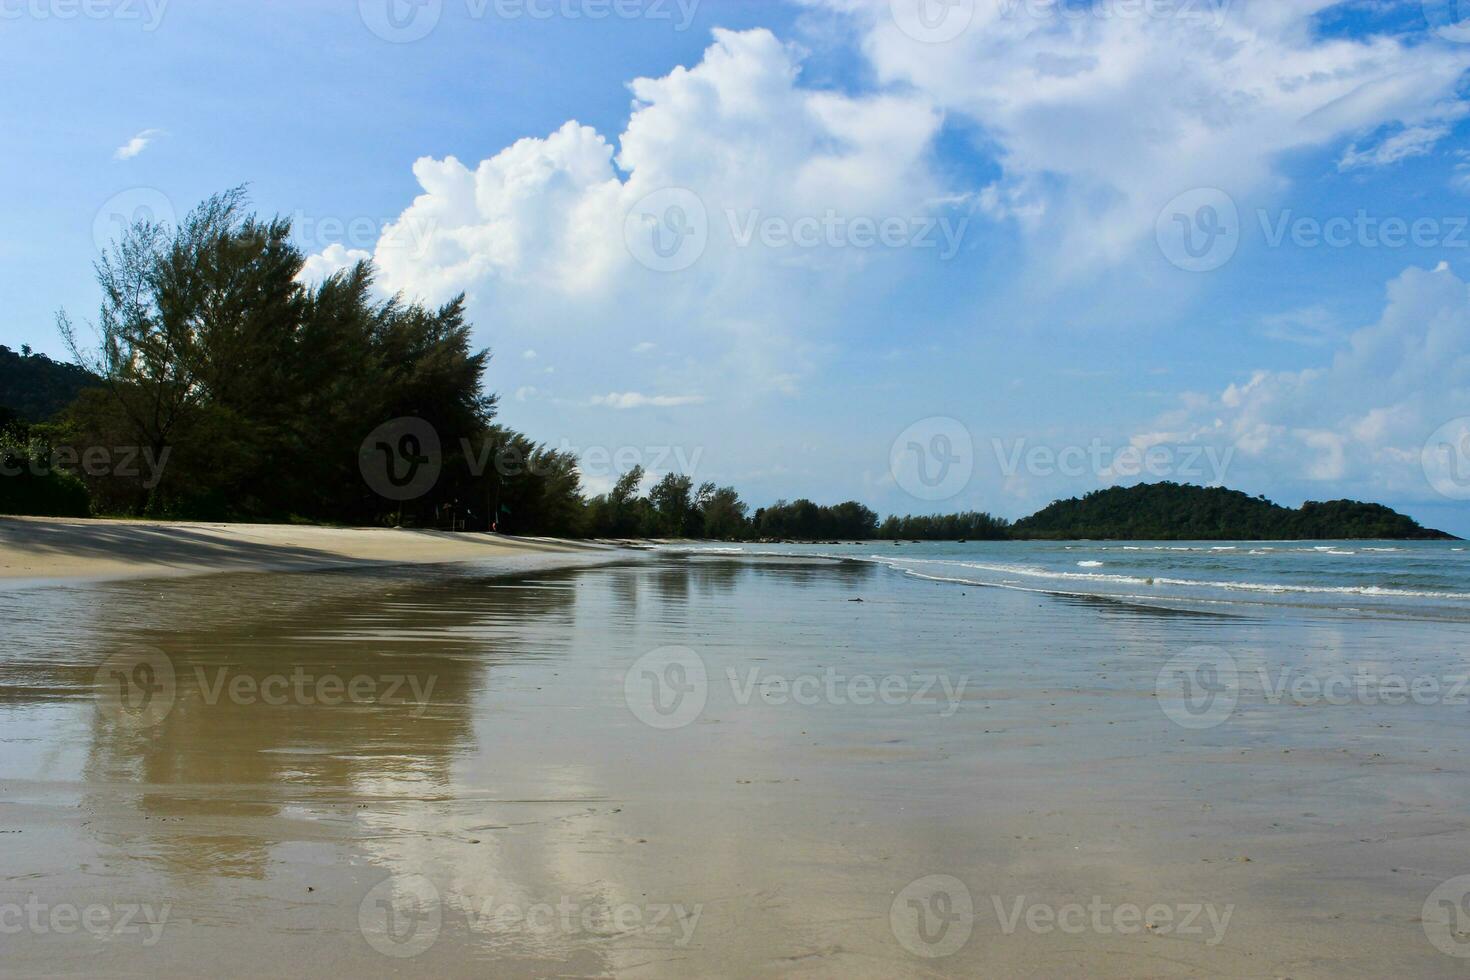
[215, 384]
[1179, 512]
[33, 387]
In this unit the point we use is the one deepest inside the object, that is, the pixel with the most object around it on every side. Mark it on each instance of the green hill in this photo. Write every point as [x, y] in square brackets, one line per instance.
[34, 387]
[1180, 512]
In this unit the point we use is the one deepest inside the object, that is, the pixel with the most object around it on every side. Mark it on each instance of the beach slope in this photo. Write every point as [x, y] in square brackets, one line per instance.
[37, 548]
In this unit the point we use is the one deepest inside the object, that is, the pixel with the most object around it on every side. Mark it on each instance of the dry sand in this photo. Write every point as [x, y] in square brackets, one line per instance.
[48, 549]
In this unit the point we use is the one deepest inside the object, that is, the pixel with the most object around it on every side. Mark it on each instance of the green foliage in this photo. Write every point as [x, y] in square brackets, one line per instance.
[621, 513]
[261, 388]
[35, 388]
[1179, 512]
[532, 489]
[30, 482]
[724, 513]
[969, 526]
[803, 520]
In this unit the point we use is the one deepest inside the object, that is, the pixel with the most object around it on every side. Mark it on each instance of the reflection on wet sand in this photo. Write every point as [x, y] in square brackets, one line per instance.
[505, 808]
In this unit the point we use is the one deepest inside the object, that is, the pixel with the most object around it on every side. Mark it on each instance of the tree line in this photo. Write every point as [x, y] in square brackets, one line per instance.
[217, 384]
[246, 393]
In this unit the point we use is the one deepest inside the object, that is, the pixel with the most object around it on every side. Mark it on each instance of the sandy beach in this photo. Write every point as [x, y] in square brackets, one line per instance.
[44, 549]
[670, 766]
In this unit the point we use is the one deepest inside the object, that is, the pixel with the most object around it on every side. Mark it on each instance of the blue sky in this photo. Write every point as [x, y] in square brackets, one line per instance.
[928, 235]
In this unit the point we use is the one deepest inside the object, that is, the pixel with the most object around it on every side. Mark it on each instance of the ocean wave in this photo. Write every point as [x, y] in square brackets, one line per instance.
[1278, 588]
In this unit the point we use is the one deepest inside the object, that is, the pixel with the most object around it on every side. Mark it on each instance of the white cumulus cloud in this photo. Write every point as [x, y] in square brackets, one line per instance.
[1099, 121]
[331, 260]
[1360, 420]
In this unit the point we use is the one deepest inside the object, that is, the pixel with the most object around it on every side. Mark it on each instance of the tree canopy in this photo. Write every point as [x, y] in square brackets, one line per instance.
[261, 387]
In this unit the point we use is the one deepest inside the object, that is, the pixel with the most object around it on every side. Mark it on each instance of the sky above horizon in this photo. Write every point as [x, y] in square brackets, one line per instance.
[928, 254]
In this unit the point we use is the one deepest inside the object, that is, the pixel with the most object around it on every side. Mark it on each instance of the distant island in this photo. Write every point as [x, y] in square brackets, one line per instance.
[1179, 512]
[1164, 512]
[255, 397]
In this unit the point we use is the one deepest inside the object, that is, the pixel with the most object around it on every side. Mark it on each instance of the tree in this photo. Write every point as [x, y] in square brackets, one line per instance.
[672, 502]
[263, 388]
[723, 513]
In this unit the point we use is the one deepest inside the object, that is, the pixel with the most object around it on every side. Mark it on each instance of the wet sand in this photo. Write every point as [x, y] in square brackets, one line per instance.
[528, 800]
[44, 549]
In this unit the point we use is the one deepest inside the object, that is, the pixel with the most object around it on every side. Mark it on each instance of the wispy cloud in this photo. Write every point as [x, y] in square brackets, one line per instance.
[136, 145]
[1313, 325]
[1412, 141]
[634, 399]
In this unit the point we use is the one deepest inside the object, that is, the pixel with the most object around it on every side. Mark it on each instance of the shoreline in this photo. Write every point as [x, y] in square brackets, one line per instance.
[58, 550]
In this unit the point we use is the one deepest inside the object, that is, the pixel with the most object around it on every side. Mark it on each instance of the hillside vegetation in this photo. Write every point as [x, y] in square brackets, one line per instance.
[34, 388]
[1175, 511]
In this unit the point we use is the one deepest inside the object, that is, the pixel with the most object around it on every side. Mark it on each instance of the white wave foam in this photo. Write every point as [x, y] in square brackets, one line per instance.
[1185, 583]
